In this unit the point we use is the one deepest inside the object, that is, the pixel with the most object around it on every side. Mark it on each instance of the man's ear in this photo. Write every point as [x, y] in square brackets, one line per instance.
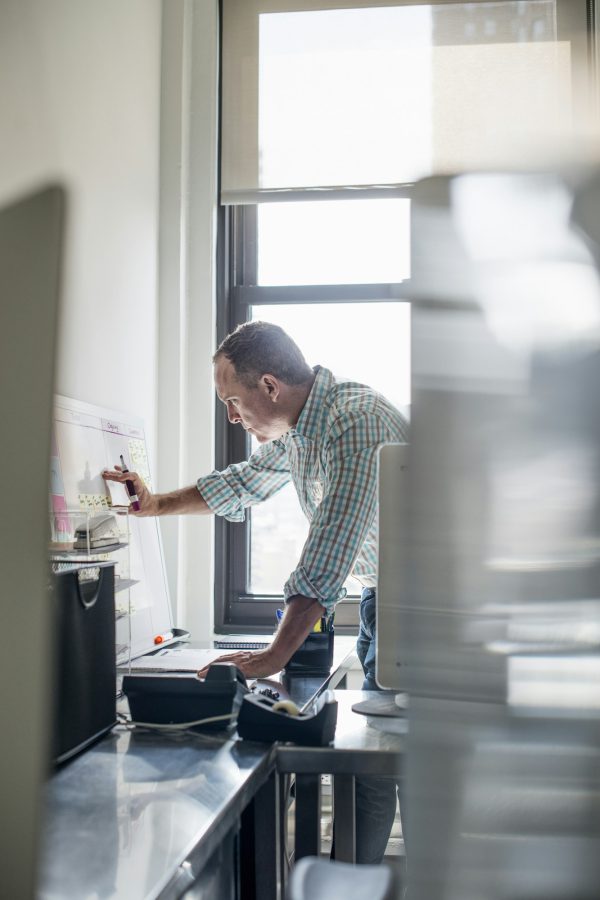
[271, 384]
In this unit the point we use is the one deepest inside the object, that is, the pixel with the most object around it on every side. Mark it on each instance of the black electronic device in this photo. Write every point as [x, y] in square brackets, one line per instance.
[263, 719]
[269, 692]
[176, 698]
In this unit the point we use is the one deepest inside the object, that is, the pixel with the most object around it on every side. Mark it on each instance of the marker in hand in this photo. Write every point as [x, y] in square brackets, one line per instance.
[133, 497]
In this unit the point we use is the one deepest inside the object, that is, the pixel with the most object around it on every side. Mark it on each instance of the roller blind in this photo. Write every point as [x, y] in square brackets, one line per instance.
[319, 95]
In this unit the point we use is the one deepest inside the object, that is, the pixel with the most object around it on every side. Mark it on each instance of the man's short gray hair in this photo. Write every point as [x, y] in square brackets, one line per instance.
[258, 348]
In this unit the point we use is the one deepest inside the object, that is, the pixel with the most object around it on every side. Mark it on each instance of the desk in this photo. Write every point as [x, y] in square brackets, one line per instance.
[358, 749]
[145, 815]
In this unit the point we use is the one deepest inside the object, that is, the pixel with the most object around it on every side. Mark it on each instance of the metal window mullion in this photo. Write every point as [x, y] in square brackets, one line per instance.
[246, 218]
[234, 265]
[234, 540]
[224, 258]
[308, 194]
[256, 295]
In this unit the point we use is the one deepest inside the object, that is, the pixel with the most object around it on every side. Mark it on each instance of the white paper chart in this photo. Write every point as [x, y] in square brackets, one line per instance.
[88, 439]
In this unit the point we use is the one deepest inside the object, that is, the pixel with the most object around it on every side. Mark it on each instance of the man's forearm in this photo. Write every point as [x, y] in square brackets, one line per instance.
[184, 500]
[300, 616]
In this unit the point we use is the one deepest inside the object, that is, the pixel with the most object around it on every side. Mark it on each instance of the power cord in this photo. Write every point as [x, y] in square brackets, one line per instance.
[171, 726]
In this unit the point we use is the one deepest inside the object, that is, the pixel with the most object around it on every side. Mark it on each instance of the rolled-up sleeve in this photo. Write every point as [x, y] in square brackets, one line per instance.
[346, 513]
[230, 492]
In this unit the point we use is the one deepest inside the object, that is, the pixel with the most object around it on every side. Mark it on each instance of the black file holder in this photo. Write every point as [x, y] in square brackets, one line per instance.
[314, 656]
[85, 686]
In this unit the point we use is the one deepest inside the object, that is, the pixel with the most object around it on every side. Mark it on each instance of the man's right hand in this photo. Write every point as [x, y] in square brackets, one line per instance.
[148, 502]
[174, 503]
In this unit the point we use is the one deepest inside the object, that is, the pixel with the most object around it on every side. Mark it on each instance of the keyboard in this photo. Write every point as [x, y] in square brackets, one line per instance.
[240, 645]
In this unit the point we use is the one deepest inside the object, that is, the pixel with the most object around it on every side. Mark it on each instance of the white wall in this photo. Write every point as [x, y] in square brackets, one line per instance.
[187, 291]
[80, 101]
[90, 96]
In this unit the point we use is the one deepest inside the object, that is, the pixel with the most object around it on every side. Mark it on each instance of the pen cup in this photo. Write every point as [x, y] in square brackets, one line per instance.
[314, 656]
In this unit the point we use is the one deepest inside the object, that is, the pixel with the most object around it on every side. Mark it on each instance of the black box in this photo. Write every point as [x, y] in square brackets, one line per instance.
[314, 656]
[85, 683]
[176, 698]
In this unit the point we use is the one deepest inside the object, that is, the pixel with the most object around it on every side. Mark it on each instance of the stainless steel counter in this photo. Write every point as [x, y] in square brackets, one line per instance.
[141, 814]
[138, 815]
[359, 747]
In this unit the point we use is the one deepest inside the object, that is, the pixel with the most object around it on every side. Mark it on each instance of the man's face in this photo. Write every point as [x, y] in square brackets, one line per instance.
[255, 409]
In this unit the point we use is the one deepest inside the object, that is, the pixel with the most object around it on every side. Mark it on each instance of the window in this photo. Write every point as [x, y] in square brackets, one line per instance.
[311, 268]
[329, 115]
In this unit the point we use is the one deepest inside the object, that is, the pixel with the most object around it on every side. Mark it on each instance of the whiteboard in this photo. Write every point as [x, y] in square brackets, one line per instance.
[87, 439]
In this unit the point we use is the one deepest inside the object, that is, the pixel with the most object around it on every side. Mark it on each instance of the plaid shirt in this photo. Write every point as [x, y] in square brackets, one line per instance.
[331, 457]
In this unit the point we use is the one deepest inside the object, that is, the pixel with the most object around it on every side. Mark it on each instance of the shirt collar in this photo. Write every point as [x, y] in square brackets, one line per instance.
[313, 411]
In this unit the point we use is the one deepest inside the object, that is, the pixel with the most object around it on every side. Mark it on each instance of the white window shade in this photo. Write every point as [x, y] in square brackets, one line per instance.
[342, 94]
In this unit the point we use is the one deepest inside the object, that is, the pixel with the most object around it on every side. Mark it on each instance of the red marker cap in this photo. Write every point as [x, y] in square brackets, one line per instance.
[161, 638]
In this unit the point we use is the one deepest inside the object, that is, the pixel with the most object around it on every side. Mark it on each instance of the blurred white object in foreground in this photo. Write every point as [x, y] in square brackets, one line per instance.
[500, 623]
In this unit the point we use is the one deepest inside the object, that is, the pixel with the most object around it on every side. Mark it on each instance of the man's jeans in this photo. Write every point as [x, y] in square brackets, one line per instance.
[375, 797]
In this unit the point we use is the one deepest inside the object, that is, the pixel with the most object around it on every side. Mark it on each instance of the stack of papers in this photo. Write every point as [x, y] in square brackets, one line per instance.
[175, 659]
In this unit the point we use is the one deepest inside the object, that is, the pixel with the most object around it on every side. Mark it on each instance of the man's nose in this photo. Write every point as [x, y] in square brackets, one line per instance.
[232, 414]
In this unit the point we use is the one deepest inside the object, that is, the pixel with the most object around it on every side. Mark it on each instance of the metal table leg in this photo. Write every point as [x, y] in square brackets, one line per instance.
[260, 877]
[308, 815]
[344, 812]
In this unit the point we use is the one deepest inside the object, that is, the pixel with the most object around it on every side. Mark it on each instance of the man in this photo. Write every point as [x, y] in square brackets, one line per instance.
[324, 436]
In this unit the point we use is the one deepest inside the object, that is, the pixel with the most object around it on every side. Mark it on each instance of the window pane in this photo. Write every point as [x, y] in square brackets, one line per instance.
[340, 91]
[367, 342]
[334, 242]
[278, 530]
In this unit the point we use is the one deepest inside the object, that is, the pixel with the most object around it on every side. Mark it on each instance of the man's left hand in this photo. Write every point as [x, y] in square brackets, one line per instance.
[300, 615]
[257, 664]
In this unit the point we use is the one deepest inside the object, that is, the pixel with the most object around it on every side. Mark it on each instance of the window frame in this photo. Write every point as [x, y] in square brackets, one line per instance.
[235, 609]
